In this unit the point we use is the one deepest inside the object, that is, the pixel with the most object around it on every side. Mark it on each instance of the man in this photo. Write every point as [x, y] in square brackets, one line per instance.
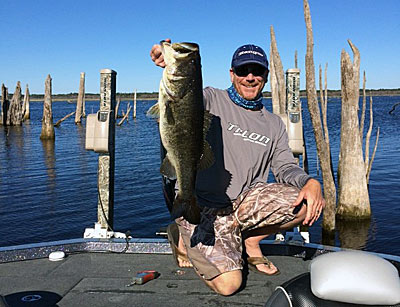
[237, 203]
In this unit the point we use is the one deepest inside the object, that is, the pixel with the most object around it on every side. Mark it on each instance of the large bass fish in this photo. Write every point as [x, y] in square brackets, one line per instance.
[183, 124]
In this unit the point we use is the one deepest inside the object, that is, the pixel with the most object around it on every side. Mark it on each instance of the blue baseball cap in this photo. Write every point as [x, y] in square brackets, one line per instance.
[247, 54]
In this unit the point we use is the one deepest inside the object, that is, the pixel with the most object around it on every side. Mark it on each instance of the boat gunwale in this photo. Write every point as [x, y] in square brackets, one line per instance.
[33, 251]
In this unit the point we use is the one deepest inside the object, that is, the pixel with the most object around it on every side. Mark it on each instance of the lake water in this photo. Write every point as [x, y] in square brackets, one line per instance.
[48, 191]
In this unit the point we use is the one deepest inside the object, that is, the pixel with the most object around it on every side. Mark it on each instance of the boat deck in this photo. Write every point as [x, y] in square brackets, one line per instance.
[95, 273]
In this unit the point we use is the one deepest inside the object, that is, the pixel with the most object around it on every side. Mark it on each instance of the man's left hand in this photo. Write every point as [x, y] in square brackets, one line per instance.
[312, 194]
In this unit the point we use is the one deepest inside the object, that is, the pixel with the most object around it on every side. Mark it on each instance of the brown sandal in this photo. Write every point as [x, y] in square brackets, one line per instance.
[254, 261]
[173, 238]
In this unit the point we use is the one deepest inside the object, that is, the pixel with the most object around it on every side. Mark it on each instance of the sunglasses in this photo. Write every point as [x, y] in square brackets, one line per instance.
[244, 70]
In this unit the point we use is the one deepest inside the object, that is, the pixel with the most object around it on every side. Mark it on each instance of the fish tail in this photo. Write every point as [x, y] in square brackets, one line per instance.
[188, 209]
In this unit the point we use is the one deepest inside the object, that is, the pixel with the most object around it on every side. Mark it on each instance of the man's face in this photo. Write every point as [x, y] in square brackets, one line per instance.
[249, 80]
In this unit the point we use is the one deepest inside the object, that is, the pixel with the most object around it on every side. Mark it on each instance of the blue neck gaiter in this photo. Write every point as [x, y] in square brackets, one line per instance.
[240, 101]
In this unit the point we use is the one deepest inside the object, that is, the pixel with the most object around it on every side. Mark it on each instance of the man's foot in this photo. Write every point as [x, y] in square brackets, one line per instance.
[262, 265]
[183, 260]
[256, 260]
[177, 246]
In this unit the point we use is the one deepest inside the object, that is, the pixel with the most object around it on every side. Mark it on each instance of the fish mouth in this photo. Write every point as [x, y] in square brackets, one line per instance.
[185, 47]
[181, 48]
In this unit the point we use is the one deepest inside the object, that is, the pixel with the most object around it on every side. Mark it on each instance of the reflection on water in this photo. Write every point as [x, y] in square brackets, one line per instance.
[353, 234]
[15, 137]
[81, 133]
[50, 162]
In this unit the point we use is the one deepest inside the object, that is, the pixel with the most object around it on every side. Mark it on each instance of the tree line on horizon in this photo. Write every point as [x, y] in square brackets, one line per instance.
[154, 95]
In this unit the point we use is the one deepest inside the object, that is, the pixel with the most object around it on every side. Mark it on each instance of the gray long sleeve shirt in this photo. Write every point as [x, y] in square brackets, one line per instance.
[246, 145]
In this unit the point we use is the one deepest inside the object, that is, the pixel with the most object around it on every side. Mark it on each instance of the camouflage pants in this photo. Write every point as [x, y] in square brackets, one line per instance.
[215, 245]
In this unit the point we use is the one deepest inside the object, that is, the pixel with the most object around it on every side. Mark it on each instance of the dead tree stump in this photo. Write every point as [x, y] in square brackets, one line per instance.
[328, 223]
[353, 191]
[279, 74]
[14, 114]
[117, 107]
[4, 104]
[134, 106]
[81, 100]
[25, 106]
[47, 121]
[273, 82]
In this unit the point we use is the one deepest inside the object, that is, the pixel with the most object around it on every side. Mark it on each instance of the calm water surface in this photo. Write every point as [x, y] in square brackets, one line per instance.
[48, 191]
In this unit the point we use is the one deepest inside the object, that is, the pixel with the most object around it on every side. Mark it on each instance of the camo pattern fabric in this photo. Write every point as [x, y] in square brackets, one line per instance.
[215, 245]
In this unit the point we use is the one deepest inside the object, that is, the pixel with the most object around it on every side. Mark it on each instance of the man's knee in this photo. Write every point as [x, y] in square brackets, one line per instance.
[227, 283]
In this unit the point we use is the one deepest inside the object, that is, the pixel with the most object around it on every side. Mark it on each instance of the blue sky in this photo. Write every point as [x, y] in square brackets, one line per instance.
[64, 38]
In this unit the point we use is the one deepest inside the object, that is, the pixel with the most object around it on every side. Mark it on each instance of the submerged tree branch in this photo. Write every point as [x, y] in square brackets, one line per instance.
[373, 155]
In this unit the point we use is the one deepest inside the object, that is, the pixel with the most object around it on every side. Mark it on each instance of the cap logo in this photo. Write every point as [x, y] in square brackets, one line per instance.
[250, 51]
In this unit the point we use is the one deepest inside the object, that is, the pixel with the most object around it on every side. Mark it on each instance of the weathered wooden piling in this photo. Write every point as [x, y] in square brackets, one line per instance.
[105, 211]
[134, 106]
[117, 107]
[81, 99]
[84, 108]
[279, 72]
[4, 104]
[274, 85]
[14, 113]
[26, 105]
[47, 120]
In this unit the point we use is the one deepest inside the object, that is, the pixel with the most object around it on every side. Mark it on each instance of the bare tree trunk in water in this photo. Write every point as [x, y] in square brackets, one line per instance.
[367, 162]
[14, 114]
[328, 223]
[278, 73]
[353, 192]
[117, 107]
[4, 104]
[373, 156]
[134, 105]
[80, 101]
[26, 105]
[274, 85]
[368, 137]
[362, 117]
[47, 121]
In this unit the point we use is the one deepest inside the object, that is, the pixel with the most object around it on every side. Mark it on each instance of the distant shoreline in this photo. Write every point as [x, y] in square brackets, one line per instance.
[154, 96]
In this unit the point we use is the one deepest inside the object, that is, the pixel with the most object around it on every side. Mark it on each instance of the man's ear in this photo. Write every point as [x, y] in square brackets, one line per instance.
[231, 73]
[266, 76]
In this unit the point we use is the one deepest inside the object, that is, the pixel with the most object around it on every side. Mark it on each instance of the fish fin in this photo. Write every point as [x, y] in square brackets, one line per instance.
[167, 169]
[206, 122]
[189, 210]
[154, 111]
[207, 158]
[179, 92]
